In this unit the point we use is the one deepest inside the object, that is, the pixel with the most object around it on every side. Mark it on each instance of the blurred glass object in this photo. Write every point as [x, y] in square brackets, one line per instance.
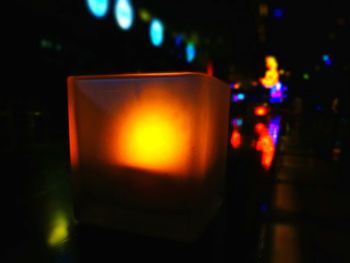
[139, 140]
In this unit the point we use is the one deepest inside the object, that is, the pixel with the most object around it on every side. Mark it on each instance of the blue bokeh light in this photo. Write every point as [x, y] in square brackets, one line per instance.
[190, 52]
[238, 97]
[274, 128]
[234, 98]
[156, 32]
[124, 14]
[278, 12]
[237, 122]
[178, 40]
[241, 96]
[98, 8]
[327, 59]
[276, 93]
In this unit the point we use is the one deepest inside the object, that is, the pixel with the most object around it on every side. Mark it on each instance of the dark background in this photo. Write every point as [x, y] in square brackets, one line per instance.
[232, 34]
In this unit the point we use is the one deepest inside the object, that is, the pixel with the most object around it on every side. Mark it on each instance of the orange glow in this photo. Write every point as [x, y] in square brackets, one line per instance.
[265, 145]
[271, 63]
[260, 128]
[158, 123]
[271, 75]
[236, 139]
[237, 85]
[270, 79]
[149, 136]
[260, 111]
[267, 148]
[151, 149]
[266, 159]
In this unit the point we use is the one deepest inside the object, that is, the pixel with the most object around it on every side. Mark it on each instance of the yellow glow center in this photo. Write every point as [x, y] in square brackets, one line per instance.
[152, 141]
[153, 136]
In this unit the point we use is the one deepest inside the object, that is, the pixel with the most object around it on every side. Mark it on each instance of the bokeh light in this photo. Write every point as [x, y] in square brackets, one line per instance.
[156, 32]
[98, 8]
[124, 14]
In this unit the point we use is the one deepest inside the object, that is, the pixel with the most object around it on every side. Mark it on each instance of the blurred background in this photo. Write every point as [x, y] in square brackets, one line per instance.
[47, 41]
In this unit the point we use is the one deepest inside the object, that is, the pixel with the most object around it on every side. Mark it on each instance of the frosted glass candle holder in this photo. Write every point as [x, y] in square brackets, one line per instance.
[148, 151]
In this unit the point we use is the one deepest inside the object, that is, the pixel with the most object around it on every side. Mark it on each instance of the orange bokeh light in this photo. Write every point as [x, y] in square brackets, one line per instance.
[271, 77]
[267, 148]
[271, 63]
[260, 111]
[260, 128]
[236, 139]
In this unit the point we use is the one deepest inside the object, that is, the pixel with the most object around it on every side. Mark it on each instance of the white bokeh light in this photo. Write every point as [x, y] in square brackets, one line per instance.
[124, 14]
